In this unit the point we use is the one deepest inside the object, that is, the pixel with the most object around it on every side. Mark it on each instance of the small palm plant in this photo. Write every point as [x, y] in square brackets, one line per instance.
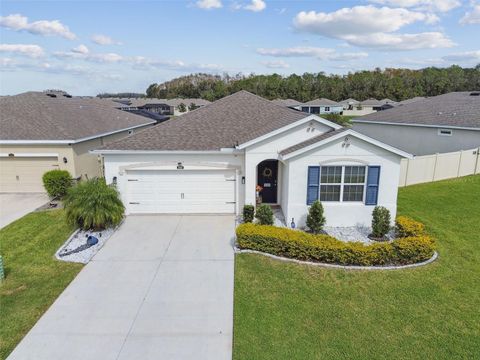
[92, 204]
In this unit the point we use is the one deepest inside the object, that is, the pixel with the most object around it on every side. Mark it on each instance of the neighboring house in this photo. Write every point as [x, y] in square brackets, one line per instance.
[162, 106]
[212, 159]
[291, 103]
[437, 124]
[371, 105]
[322, 106]
[352, 107]
[41, 131]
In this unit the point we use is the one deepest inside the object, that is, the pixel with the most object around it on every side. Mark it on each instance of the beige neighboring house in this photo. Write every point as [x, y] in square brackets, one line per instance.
[41, 131]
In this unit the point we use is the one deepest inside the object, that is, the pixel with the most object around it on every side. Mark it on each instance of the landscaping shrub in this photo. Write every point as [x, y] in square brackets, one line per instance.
[57, 182]
[324, 248]
[248, 213]
[406, 227]
[264, 215]
[92, 204]
[315, 218]
[380, 222]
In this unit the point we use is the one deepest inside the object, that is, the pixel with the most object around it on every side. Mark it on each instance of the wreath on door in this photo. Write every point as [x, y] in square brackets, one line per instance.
[267, 172]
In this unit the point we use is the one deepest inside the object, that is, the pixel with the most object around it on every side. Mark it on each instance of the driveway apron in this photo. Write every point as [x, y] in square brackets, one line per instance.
[161, 288]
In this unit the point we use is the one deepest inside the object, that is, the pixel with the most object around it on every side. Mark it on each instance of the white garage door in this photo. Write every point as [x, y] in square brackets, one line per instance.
[181, 191]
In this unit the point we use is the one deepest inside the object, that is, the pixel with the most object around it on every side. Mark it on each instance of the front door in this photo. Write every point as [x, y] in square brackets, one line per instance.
[267, 179]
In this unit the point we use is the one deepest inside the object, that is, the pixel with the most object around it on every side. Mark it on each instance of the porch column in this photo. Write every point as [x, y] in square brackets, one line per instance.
[250, 180]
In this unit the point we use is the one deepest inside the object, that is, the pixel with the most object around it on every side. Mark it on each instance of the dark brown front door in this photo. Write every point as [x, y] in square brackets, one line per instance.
[267, 179]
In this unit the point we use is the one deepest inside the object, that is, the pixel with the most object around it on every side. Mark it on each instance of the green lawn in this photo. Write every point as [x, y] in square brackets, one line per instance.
[34, 279]
[289, 311]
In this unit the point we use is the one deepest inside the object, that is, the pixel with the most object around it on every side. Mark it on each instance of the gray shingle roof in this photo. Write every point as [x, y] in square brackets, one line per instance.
[321, 102]
[36, 116]
[234, 119]
[371, 102]
[457, 109]
[312, 141]
[286, 102]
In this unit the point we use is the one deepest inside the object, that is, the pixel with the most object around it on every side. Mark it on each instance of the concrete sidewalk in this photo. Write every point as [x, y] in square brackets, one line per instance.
[161, 288]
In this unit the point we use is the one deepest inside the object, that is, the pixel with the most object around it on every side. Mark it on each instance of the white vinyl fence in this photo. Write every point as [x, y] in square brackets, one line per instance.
[436, 167]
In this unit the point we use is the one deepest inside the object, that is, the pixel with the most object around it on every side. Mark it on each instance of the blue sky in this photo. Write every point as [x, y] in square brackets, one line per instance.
[87, 47]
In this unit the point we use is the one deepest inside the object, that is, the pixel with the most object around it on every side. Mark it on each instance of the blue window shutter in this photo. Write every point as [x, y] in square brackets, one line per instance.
[373, 179]
[313, 183]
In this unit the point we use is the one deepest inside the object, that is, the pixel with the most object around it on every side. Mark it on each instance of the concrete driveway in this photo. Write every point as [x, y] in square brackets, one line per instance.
[161, 288]
[14, 206]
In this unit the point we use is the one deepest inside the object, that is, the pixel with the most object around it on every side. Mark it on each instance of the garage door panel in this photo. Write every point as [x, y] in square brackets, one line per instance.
[25, 174]
[181, 191]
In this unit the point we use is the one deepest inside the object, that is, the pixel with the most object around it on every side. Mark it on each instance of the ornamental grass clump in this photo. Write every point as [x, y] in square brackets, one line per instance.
[92, 204]
[315, 217]
[57, 182]
[380, 222]
[264, 215]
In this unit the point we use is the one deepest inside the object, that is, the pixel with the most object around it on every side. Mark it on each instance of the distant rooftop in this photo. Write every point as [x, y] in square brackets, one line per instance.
[455, 109]
[321, 102]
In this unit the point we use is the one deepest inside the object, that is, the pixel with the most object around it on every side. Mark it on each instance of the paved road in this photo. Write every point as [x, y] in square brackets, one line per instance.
[161, 288]
[14, 206]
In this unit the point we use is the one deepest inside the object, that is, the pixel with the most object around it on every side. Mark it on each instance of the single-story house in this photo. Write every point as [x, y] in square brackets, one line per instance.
[211, 160]
[322, 106]
[41, 131]
[175, 107]
[437, 124]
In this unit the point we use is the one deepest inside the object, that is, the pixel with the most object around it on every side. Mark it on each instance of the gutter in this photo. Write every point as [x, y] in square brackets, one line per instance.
[360, 121]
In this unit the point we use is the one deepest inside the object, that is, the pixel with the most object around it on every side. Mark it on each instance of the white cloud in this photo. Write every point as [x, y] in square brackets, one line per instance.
[33, 51]
[209, 4]
[471, 17]
[100, 39]
[467, 56]
[276, 64]
[310, 51]
[81, 49]
[426, 5]
[19, 22]
[357, 20]
[369, 26]
[399, 42]
[299, 51]
[87, 56]
[256, 6]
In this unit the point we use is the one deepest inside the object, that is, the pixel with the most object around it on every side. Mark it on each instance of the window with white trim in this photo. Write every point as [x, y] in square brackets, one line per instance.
[342, 183]
[327, 108]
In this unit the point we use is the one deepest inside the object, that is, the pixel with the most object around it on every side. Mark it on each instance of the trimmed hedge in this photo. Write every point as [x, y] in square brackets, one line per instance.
[406, 227]
[57, 182]
[326, 249]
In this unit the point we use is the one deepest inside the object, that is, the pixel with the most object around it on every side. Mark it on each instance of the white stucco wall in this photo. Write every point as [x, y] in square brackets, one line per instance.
[114, 163]
[343, 213]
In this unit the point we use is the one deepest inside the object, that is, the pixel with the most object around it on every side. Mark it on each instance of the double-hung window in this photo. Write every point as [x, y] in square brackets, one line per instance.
[342, 183]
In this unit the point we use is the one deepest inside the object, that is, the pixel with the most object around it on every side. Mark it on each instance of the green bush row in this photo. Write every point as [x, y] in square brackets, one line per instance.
[326, 249]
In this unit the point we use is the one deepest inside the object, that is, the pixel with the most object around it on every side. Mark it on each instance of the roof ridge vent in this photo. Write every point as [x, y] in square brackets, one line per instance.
[51, 95]
[475, 93]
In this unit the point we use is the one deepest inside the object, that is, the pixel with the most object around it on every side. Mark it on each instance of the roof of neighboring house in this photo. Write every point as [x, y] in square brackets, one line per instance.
[170, 102]
[312, 141]
[412, 100]
[371, 102]
[286, 102]
[455, 109]
[387, 101]
[39, 116]
[321, 101]
[349, 101]
[225, 123]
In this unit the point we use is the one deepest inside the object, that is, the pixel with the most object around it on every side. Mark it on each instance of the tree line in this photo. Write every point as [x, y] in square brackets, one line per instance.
[395, 84]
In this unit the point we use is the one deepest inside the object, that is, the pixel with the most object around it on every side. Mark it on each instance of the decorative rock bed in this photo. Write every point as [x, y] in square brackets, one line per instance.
[76, 249]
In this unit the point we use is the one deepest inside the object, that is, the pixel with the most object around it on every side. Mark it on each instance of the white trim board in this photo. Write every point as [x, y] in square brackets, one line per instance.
[347, 133]
[26, 155]
[440, 126]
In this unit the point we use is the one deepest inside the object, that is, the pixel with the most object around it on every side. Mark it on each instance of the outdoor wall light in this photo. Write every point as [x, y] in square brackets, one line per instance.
[114, 181]
[65, 160]
[243, 180]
